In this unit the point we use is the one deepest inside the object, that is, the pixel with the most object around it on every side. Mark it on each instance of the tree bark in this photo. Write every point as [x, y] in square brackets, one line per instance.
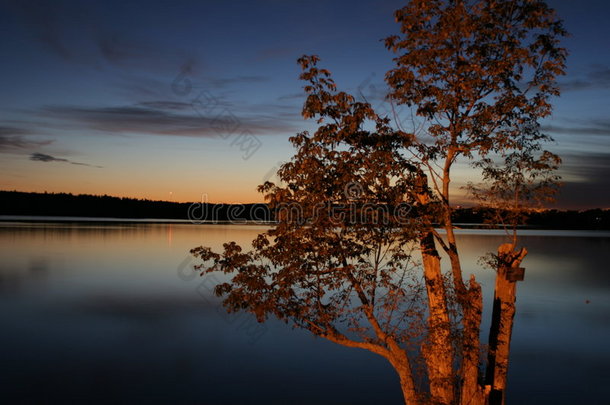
[400, 362]
[438, 352]
[472, 393]
[502, 323]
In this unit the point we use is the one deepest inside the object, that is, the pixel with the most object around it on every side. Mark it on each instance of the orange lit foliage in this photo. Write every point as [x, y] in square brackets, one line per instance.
[339, 261]
[479, 76]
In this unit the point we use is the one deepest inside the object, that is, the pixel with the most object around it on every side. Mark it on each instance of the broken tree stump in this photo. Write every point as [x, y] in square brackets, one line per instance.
[508, 273]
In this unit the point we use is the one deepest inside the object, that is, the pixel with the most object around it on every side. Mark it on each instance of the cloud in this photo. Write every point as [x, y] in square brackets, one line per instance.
[587, 180]
[141, 87]
[229, 81]
[592, 127]
[13, 142]
[13, 138]
[598, 78]
[81, 34]
[132, 53]
[294, 96]
[203, 120]
[166, 105]
[576, 130]
[12, 131]
[275, 111]
[42, 157]
[43, 20]
[275, 53]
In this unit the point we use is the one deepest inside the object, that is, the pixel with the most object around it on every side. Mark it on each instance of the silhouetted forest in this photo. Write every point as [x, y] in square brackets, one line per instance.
[69, 205]
[104, 206]
[546, 219]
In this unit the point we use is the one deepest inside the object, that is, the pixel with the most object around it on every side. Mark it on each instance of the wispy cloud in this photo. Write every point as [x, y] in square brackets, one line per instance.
[42, 157]
[291, 97]
[78, 34]
[587, 180]
[43, 20]
[581, 127]
[166, 105]
[276, 52]
[142, 55]
[162, 118]
[597, 78]
[586, 173]
[12, 131]
[242, 80]
[14, 138]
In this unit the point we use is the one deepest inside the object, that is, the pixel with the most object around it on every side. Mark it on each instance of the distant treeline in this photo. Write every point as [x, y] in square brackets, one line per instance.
[104, 206]
[546, 219]
[69, 205]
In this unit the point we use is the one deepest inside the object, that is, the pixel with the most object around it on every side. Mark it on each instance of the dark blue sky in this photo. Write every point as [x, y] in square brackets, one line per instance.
[179, 99]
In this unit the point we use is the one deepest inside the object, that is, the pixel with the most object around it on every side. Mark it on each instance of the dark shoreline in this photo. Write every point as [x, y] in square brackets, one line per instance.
[61, 207]
[8, 220]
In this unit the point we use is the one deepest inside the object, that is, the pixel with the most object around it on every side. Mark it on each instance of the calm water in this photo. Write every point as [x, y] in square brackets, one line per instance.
[109, 312]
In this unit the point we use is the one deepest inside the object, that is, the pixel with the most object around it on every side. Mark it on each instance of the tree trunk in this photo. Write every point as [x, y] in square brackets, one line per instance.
[438, 352]
[472, 393]
[502, 322]
[400, 362]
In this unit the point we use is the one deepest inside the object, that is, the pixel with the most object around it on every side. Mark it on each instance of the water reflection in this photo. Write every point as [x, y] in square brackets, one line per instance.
[99, 313]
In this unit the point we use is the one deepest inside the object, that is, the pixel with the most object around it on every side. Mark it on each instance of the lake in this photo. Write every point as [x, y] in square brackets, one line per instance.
[111, 312]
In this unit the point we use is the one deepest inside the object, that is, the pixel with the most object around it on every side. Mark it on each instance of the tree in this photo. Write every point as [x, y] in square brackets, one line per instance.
[340, 262]
[481, 74]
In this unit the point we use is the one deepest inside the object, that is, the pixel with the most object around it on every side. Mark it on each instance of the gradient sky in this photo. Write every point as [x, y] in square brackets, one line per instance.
[179, 100]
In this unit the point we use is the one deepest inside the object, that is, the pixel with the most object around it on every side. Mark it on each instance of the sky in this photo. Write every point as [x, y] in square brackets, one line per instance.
[196, 100]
